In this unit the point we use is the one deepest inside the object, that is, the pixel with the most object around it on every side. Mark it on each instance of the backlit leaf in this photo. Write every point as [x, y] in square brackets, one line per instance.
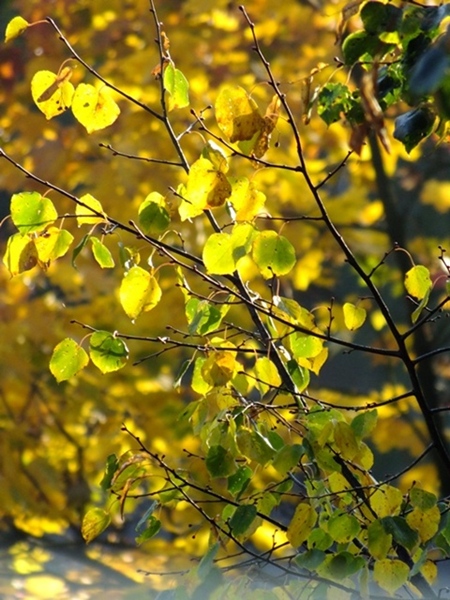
[386, 501]
[267, 375]
[247, 201]
[51, 95]
[343, 527]
[53, 243]
[95, 521]
[102, 254]
[219, 462]
[237, 114]
[425, 522]
[273, 254]
[153, 214]
[31, 212]
[354, 316]
[242, 518]
[218, 254]
[67, 360]
[85, 211]
[305, 346]
[94, 108]
[107, 352]
[139, 292]
[15, 27]
[153, 527]
[379, 540]
[345, 440]
[21, 254]
[177, 86]
[418, 282]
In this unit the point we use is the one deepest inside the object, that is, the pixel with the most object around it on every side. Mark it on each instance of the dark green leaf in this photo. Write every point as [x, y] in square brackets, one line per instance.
[310, 559]
[413, 126]
[111, 467]
[242, 519]
[400, 531]
[219, 462]
[238, 482]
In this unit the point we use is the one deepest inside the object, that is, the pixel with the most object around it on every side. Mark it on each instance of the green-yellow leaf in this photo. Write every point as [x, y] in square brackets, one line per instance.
[390, 574]
[354, 316]
[53, 243]
[218, 254]
[177, 86]
[342, 527]
[216, 156]
[15, 27]
[386, 501]
[108, 352]
[102, 254]
[139, 292]
[31, 212]
[94, 108]
[273, 254]
[247, 201]
[95, 521]
[305, 346]
[425, 522]
[345, 440]
[21, 254]
[237, 114]
[379, 540]
[267, 375]
[422, 499]
[51, 92]
[67, 360]
[418, 282]
[153, 214]
[86, 211]
[301, 525]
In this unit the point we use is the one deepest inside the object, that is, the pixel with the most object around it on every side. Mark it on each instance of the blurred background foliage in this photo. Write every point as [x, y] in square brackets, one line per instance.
[55, 438]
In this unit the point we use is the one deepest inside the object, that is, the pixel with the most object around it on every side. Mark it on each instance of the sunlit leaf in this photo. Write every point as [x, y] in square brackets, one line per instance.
[425, 522]
[176, 84]
[343, 527]
[85, 211]
[267, 376]
[216, 156]
[102, 254]
[379, 540]
[21, 254]
[386, 501]
[218, 254]
[345, 440]
[15, 27]
[237, 114]
[95, 521]
[51, 94]
[31, 212]
[53, 243]
[153, 527]
[273, 254]
[67, 360]
[305, 346]
[354, 316]
[247, 201]
[139, 292]
[108, 352]
[94, 108]
[418, 281]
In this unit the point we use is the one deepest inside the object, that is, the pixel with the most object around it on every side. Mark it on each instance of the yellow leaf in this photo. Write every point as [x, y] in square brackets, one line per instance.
[237, 114]
[425, 522]
[418, 282]
[51, 94]
[20, 255]
[354, 316]
[83, 213]
[386, 501]
[301, 525]
[206, 188]
[139, 292]
[93, 108]
[246, 199]
[390, 574]
[15, 27]
[53, 243]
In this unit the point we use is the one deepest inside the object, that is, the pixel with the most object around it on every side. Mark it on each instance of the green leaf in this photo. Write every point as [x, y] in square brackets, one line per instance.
[310, 559]
[101, 254]
[153, 214]
[364, 423]
[287, 458]
[21, 254]
[341, 565]
[334, 100]
[305, 346]
[379, 540]
[31, 212]
[203, 317]
[95, 521]
[354, 316]
[15, 27]
[139, 292]
[112, 465]
[379, 18]
[107, 352]
[255, 446]
[176, 84]
[267, 375]
[300, 375]
[345, 440]
[358, 44]
[153, 527]
[400, 531]
[78, 248]
[342, 527]
[273, 254]
[67, 360]
[413, 126]
[237, 483]
[422, 499]
[242, 518]
[207, 562]
[219, 462]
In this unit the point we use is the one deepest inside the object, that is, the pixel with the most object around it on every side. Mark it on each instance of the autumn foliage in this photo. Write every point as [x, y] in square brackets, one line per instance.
[225, 289]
